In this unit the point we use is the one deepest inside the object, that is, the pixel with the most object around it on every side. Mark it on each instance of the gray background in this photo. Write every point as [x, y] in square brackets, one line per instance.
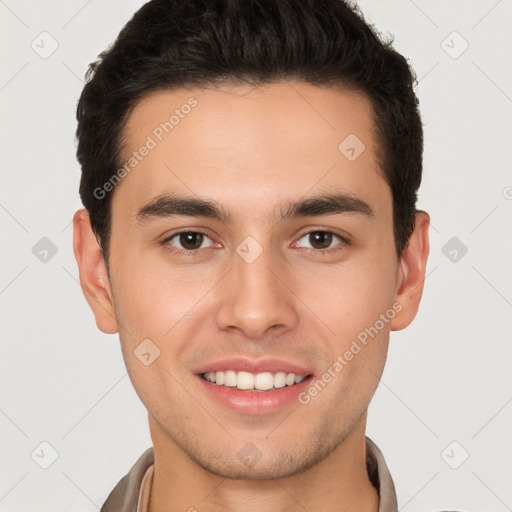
[446, 392]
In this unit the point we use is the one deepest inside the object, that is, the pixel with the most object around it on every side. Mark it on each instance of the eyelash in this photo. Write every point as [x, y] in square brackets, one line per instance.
[340, 246]
[343, 242]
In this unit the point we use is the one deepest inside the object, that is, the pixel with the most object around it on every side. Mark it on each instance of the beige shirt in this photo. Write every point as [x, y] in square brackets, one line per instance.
[132, 492]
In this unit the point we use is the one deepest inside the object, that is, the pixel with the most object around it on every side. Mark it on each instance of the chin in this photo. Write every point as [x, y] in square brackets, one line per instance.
[249, 463]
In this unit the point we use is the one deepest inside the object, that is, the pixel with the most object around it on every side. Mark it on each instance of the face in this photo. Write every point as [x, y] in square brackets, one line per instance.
[252, 242]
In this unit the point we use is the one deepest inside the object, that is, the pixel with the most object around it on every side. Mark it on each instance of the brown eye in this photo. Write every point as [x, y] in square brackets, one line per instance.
[321, 240]
[191, 241]
[188, 240]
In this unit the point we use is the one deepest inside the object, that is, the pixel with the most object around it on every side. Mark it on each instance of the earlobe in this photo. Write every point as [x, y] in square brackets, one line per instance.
[93, 274]
[411, 278]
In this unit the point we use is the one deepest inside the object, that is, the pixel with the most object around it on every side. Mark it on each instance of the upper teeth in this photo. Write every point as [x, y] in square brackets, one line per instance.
[261, 381]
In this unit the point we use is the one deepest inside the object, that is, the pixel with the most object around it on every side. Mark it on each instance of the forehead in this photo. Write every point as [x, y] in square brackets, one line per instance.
[253, 143]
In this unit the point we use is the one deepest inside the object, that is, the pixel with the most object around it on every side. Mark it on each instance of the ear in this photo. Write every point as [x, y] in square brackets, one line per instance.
[411, 273]
[93, 273]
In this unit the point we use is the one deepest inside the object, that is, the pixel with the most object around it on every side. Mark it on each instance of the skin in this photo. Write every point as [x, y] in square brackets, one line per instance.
[251, 150]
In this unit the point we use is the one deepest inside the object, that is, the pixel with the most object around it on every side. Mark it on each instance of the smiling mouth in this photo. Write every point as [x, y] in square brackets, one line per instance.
[246, 381]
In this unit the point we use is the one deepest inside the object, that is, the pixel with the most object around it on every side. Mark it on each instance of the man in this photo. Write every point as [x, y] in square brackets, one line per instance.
[249, 175]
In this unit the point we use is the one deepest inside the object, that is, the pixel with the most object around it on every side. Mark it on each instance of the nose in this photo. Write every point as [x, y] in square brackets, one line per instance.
[256, 297]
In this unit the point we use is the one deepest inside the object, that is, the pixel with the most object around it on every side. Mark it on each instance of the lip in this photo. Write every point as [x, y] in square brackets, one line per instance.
[254, 402]
[242, 364]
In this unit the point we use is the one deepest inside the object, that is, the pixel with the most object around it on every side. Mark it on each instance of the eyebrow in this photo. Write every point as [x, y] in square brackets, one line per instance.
[165, 206]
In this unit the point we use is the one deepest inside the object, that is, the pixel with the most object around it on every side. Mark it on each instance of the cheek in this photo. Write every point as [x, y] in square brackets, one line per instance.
[153, 305]
[351, 297]
[152, 298]
[161, 305]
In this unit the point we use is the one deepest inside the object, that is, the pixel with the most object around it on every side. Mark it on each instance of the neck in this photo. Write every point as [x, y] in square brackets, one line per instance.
[339, 482]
